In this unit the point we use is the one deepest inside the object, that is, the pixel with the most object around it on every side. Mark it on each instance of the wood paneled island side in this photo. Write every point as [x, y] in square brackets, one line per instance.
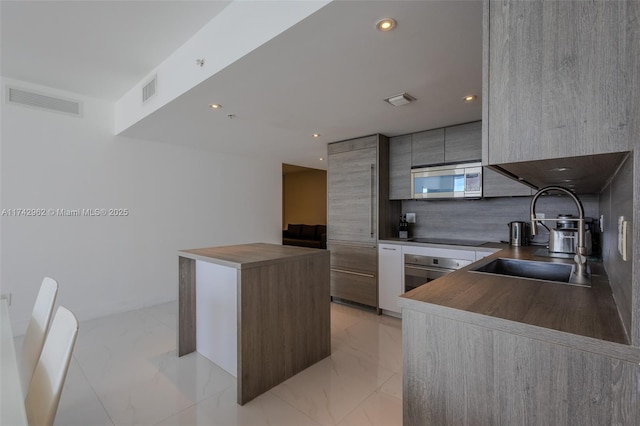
[282, 311]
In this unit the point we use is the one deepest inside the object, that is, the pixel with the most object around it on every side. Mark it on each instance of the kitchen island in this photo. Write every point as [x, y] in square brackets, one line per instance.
[260, 311]
[486, 349]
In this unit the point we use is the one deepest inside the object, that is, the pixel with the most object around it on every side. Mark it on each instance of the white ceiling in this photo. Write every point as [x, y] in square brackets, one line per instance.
[328, 74]
[95, 48]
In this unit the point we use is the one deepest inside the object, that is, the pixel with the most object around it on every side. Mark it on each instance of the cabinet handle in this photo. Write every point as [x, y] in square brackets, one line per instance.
[389, 248]
[371, 201]
[353, 273]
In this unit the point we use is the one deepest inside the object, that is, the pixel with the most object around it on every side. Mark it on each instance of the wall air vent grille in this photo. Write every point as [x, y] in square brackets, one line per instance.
[45, 102]
[149, 89]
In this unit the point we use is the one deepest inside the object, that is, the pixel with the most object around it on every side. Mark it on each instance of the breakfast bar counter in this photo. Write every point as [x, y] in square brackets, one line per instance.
[260, 311]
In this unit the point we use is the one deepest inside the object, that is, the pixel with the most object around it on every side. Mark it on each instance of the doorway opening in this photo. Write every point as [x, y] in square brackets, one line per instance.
[304, 206]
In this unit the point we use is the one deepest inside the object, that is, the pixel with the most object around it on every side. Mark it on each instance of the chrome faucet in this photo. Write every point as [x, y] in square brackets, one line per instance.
[581, 273]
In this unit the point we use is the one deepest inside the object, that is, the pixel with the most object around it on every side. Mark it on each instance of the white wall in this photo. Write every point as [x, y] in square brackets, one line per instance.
[240, 28]
[177, 198]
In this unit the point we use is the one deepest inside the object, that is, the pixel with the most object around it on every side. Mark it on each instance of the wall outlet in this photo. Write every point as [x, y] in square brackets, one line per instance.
[622, 237]
[411, 217]
[540, 216]
[7, 297]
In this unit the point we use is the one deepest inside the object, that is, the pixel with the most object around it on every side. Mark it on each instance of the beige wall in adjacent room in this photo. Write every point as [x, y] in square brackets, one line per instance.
[304, 197]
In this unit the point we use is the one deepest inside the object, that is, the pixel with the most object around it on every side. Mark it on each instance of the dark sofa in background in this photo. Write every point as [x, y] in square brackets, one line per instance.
[314, 236]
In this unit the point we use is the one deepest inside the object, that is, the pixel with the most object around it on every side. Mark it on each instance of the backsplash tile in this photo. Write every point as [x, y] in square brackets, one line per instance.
[488, 219]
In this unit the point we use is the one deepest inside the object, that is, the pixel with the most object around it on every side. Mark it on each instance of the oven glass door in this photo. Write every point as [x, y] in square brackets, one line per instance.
[442, 184]
[415, 276]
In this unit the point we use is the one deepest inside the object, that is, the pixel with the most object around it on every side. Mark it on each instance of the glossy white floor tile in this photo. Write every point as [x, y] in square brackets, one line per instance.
[125, 372]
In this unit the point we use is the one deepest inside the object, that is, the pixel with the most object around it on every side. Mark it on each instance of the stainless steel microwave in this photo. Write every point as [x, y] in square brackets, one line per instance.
[450, 181]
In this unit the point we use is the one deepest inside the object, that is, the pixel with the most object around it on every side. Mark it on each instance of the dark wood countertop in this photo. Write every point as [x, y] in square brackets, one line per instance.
[245, 256]
[589, 312]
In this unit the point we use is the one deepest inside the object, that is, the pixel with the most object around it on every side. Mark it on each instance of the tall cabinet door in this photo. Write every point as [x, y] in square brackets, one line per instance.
[352, 212]
[559, 78]
[400, 168]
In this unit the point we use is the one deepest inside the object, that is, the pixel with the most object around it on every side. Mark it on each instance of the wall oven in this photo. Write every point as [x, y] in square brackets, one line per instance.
[419, 270]
[451, 181]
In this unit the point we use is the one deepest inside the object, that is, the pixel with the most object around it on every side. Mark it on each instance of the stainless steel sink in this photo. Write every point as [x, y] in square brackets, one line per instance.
[529, 269]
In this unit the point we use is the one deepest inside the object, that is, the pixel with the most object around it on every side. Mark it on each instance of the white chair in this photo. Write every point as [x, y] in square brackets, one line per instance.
[46, 385]
[37, 330]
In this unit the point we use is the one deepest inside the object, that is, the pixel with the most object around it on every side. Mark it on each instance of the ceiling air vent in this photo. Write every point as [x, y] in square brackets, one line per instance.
[45, 102]
[149, 89]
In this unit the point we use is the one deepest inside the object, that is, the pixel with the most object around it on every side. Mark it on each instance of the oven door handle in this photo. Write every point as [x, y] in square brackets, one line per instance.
[423, 271]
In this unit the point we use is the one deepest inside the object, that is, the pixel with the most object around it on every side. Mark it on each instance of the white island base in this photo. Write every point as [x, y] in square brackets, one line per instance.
[216, 315]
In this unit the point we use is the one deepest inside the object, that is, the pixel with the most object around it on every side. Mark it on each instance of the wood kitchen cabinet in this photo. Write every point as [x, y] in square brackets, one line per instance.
[463, 143]
[354, 273]
[512, 375]
[454, 144]
[560, 78]
[427, 148]
[351, 192]
[400, 167]
[358, 213]
[495, 184]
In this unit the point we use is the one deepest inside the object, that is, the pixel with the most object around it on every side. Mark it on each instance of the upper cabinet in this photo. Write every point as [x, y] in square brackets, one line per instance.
[400, 167]
[455, 144]
[427, 148]
[560, 78]
[495, 184]
[463, 143]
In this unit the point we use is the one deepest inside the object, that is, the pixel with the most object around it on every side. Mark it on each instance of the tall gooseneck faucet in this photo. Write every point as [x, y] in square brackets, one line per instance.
[580, 258]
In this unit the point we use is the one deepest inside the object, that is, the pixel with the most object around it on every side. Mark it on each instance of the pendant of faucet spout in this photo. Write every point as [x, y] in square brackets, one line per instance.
[580, 257]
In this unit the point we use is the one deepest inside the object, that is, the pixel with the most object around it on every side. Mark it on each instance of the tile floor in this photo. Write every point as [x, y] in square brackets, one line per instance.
[125, 372]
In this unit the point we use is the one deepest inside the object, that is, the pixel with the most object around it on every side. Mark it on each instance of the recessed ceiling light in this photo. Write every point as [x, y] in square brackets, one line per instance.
[215, 106]
[321, 158]
[386, 24]
[470, 98]
[316, 135]
[560, 169]
[401, 99]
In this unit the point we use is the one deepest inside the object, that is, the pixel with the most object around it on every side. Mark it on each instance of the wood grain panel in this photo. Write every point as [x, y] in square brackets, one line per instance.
[364, 142]
[462, 374]
[427, 148]
[558, 78]
[400, 168]
[463, 142]
[357, 258]
[284, 318]
[186, 306]
[352, 205]
[354, 287]
[495, 184]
